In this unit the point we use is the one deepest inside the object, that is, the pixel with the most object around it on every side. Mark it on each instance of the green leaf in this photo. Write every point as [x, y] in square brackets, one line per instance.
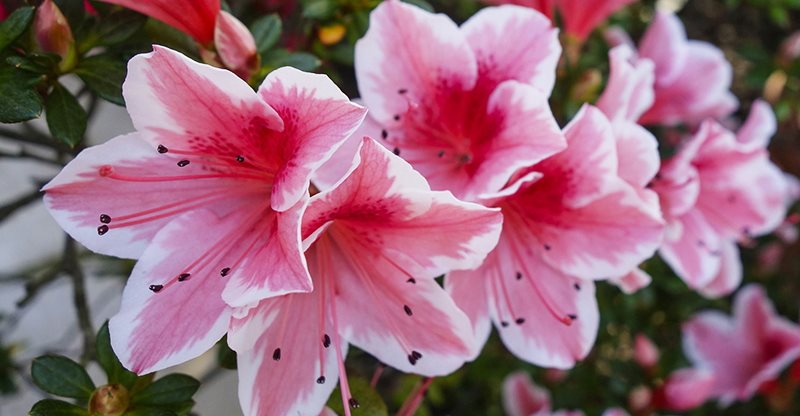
[19, 101]
[225, 355]
[117, 374]
[370, 402]
[15, 25]
[104, 75]
[266, 31]
[117, 27]
[37, 63]
[61, 376]
[171, 389]
[65, 116]
[49, 407]
[319, 9]
[422, 4]
[150, 411]
[300, 60]
[73, 10]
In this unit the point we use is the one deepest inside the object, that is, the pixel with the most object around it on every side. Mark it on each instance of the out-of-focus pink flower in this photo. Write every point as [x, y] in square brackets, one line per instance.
[745, 350]
[569, 220]
[685, 389]
[719, 188]
[790, 48]
[466, 107]
[645, 353]
[632, 282]
[52, 31]
[615, 411]
[208, 195]
[522, 397]
[581, 17]
[87, 5]
[693, 78]
[377, 242]
[3, 12]
[212, 28]
[546, 7]
[640, 398]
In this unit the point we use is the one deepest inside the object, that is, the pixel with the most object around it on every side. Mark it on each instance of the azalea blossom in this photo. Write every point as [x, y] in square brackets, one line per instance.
[463, 105]
[645, 352]
[212, 28]
[684, 389]
[569, 220]
[522, 397]
[377, 241]
[693, 78]
[742, 351]
[720, 187]
[208, 194]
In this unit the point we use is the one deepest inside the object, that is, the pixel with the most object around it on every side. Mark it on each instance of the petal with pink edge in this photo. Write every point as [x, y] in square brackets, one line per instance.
[171, 307]
[318, 118]
[730, 273]
[109, 199]
[195, 17]
[412, 51]
[694, 252]
[284, 366]
[270, 260]
[632, 282]
[686, 389]
[711, 342]
[468, 290]
[521, 397]
[637, 153]
[664, 43]
[759, 127]
[531, 58]
[629, 92]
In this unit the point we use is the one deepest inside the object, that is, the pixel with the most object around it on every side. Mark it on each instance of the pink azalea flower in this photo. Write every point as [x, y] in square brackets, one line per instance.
[380, 237]
[522, 397]
[645, 353]
[684, 389]
[742, 351]
[466, 107]
[211, 27]
[693, 78]
[544, 6]
[569, 220]
[582, 16]
[208, 194]
[719, 188]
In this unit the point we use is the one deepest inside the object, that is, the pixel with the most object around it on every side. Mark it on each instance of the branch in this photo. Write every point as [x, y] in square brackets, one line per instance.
[11, 207]
[22, 153]
[72, 267]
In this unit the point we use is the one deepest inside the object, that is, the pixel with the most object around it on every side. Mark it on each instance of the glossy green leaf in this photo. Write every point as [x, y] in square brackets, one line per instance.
[266, 31]
[117, 27]
[65, 116]
[15, 25]
[61, 376]
[51, 407]
[300, 60]
[226, 357]
[369, 401]
[19, 100]
[117, 374]
[319, 9]
[104, 75]
[170, 389]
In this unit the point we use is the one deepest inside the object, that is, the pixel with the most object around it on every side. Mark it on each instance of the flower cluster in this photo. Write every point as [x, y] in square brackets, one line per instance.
[298, 222]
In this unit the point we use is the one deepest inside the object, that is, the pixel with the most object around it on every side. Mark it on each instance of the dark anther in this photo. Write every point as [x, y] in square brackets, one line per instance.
[321, 380]
[701, 243]
[183, 163]
[156, 288]
[397, 117]
[224, 272]
[162, 149]
[402, 91]
[411, 280]
[412, 359]
[519, 276]
[520, 321]
[240, 158]
[572, 316]
[384, 134]
[396, 151]
[276, 355]
[576, 286]
[503, 324]
[547, 247]
[183, 276]
[354, 403]
[416, 354]
[105, 219]
[440, 154]
[408, 310]
[326, 341]
[102, 229]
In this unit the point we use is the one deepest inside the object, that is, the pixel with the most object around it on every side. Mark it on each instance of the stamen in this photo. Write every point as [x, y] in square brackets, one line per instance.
[440, 154]
[576, 286]
[105, 219]
[397, 117]
[276, 355]
[504, 324]
[156, 288]
[162, 149]
[354, 403]
[402, 91]
[572, 316]
[183, 277]
[520, 321]
[240, 159]
[547, 247]
[396, 151]
[384, 134]
[407, 310]
[326, 341]
[101, 230]
[411, 280]
[183, 163]
[321, 380]
[224, 272]
[519, 276]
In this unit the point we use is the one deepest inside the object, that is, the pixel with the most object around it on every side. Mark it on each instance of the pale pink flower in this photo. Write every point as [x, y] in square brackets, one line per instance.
[684, 389]
[208, 194]
[466, 107]
[569, 220]
[380, 237]
[645, 353]
[742, 351]
[693, 78]
[720, 187]
[211, 27]
[522, 397]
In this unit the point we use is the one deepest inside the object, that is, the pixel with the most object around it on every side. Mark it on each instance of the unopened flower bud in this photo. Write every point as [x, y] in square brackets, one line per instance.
[53, 33]
[236, 46]
[109, 400]
[645, 352]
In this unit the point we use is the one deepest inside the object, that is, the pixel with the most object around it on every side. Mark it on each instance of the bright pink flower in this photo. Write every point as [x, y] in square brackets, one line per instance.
[522, 397]
[645, 353]
[380, 237]
[582, 16]
[208, 194]
[197, 18]
[685, 389]
[745, 350]
[466, 107]
[718, 188]
[569, 220]
[544, 6]
[693, 78]
[52, 30]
